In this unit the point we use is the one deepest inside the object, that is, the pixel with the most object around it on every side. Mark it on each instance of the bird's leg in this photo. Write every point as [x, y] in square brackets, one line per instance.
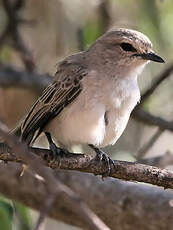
[57, 152]
[103, 156]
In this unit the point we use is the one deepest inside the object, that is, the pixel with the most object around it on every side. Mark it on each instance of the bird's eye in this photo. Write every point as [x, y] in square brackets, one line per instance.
[127, 47]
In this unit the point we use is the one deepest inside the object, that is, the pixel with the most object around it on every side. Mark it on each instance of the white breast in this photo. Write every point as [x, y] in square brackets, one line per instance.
[83, 121]
[122, 101]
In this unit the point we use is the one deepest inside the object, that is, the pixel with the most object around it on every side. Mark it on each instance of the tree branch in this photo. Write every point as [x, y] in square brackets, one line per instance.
[145, 148]
[10, 77]
[112, 200]
[129, 171]
[54, 187]
[11, 8]
[163, 76]
[149, 119]
[160, 161]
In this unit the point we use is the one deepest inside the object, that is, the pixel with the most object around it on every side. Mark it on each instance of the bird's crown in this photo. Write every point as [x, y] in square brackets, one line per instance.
[127, 43]
[134, 39]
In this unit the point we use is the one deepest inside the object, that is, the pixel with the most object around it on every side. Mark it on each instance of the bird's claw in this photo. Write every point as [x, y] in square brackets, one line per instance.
[55, 155]
[56, 152]
[101, 155]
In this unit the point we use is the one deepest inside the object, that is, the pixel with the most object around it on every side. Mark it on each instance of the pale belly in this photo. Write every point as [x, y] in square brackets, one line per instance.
[115, 127]
[83, 121]
[75, 127]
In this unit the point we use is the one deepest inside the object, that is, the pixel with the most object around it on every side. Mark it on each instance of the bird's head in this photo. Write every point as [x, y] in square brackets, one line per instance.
[124, 48]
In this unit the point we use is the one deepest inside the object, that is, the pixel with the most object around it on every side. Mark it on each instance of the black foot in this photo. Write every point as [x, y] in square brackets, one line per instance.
[103, 156]
[56, 153]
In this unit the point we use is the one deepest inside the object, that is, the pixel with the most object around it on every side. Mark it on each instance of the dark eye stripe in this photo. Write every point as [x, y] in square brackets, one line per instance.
[127, 47]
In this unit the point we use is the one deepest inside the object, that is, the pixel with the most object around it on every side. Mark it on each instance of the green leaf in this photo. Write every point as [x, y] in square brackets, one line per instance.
[6, 215]
[23, 216]
[91, 32]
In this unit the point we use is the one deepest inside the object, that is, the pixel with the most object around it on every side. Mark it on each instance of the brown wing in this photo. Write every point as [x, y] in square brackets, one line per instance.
[59, 94]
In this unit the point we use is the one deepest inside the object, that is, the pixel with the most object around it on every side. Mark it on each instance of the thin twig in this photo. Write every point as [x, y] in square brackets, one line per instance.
[11, 8]
[80, 38]
[4, 36]
[145, 148]
[163, 76]
[160, 161]
[105, 18]
[45, 211]
[149, 119]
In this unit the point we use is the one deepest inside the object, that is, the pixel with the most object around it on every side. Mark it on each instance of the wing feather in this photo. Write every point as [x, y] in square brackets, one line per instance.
[59, 94]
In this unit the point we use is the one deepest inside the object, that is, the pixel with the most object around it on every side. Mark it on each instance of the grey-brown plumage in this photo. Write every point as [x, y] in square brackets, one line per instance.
[59, 94]
[93, 92]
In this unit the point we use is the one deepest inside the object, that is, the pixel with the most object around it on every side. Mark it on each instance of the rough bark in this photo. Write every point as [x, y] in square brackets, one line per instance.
[130, 171]
[122, 205]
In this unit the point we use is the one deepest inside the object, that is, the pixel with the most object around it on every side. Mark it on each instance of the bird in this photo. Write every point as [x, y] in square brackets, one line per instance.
[93, 94]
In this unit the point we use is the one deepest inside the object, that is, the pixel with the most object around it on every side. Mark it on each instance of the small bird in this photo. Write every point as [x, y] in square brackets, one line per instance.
[93, 94]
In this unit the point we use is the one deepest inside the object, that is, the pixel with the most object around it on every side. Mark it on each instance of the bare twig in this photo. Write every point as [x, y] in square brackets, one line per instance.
[159, 161]
[12, 31]
[54, 186]
[80, 38]
[145, 148]
[45, 210]
[105, 18]
[163, 76]
[149, 119]
[3, 37]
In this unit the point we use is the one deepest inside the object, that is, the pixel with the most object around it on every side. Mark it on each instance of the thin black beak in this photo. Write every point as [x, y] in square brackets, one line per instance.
[152, 56]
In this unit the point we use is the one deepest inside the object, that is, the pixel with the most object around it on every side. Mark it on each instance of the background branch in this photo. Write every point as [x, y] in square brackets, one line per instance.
[160, 161]
[149, 119]
[162, 77]
[10, 77]
[113, 200]
[145, 148]
[12, 30]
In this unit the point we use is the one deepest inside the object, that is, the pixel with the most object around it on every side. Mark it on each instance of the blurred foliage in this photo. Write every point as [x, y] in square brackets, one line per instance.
[6, 54]
[23, 216]
[14, 215]
[91, 33]
[6, 214]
